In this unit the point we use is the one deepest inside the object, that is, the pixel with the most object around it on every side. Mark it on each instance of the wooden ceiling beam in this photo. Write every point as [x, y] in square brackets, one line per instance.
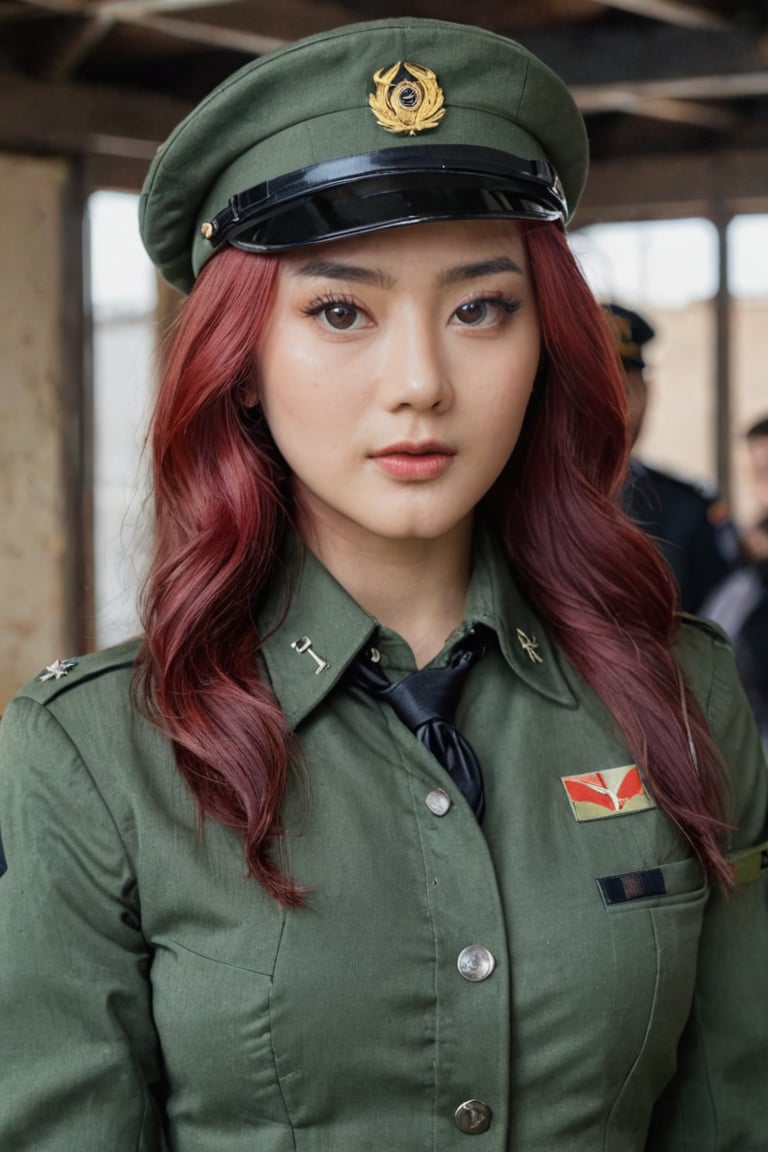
[714, 118]
[211, 35]
[108, 9]
[72, 49]
[138, 8]
[16, 11]
[596, 55]
[75, 119]
[660, 187]
[630, 96]
[61, 7]
[670, 12]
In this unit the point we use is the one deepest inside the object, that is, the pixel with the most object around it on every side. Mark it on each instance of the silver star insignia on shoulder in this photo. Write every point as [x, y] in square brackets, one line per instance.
[58, 669]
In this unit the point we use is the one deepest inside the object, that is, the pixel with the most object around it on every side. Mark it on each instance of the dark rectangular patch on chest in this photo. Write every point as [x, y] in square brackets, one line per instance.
[632, 886]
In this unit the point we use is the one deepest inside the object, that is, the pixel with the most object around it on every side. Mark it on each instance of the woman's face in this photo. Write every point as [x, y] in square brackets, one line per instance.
[395, 373]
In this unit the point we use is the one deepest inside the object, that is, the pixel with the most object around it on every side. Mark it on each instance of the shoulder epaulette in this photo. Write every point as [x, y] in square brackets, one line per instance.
[704, 625]
[750, 863]
[64, 674]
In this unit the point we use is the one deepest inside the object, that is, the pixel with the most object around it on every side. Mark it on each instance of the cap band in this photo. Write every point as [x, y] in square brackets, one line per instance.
[391, 187]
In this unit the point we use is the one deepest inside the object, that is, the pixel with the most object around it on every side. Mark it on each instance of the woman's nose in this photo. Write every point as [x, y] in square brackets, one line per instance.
[414, 367]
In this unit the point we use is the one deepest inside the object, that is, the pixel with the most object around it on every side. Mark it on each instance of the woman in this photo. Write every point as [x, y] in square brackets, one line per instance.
[257, 898]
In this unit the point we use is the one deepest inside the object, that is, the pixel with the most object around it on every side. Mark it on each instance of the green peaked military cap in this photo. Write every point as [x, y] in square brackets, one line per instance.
[364, 127]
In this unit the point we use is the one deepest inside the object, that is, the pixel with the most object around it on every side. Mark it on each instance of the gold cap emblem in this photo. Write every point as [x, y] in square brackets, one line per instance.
[408, 98]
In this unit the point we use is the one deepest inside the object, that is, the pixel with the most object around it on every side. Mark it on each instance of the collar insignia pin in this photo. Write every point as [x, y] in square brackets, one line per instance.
[530, 645]
[304, 644]
[56, 670]
[408, 98]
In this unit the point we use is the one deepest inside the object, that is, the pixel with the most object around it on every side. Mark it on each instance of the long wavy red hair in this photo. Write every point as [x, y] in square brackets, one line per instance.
[221, 503]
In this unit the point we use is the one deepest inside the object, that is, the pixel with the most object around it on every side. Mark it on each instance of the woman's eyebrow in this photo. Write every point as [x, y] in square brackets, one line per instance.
[335, 270]
[480, 268]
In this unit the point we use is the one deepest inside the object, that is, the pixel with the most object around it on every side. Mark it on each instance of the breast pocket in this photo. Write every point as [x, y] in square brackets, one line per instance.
[655, 916]
[670, 899]
[215, 936]
[213, 1021]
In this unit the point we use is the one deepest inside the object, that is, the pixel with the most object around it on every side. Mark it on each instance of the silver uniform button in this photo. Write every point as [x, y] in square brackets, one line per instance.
[476, 963]
[473, 1117]
[438, 802]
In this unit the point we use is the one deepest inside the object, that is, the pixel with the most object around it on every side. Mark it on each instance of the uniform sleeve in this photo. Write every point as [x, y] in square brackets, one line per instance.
[78, 1051]
[718, 1099]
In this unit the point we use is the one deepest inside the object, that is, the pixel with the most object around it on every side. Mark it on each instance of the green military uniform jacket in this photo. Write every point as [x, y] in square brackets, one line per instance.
[565, 967]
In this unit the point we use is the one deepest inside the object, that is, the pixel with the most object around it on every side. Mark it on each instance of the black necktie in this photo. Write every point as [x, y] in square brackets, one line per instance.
[426, 702]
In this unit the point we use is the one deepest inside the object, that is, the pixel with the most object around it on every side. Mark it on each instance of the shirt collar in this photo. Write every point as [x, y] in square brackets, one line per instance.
[495, 599]
[313, 629]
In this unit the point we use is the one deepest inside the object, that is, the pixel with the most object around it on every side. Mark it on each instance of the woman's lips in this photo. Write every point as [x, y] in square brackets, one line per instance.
[414, 461]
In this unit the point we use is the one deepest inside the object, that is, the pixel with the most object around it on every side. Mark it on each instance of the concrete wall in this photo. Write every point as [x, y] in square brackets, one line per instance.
[33, 535]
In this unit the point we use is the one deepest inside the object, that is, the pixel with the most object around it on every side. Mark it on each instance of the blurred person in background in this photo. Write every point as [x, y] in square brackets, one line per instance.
[689, 524]
[755, 539]
[740, 604]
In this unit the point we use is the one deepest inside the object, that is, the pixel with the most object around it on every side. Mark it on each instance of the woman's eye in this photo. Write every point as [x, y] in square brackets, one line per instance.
[340, 317]
[484, 313]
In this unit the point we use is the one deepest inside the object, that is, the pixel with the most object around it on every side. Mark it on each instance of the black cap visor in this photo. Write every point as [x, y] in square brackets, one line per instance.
[387, 189]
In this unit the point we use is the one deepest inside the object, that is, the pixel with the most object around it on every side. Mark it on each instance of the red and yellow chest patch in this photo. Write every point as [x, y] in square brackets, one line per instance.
[612, 792]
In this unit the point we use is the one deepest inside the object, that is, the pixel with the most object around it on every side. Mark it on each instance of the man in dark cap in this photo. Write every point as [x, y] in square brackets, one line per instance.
[691, 527]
